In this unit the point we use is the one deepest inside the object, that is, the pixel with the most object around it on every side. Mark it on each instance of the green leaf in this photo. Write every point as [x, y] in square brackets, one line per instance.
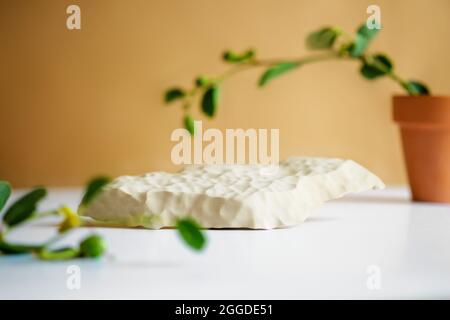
[416, 88]
[58, 254]
[277, 70]
[9, 248]
[322, 39]
[94, 187]
[377, 66]
[210, 100]
[367, 33]
[24, 208]
[173, 94]
[202, 81]
[190, 232]
[363, 37]
[188, 122]
[233, 57]
[5, 192]
[345, 49]
[93, 246]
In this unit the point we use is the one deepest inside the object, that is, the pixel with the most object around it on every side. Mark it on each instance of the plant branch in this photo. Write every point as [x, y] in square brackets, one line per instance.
[333, 42]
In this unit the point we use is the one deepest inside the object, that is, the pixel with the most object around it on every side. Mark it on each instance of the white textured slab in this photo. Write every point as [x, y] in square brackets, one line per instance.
[231, 196]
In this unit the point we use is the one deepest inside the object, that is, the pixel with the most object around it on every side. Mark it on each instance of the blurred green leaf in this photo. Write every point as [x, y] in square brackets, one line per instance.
[58, 254]
[277, 70]
[9, 248]
[24, 208]
[210, 101]
[94, 187]
[191, 233]
[5, 192]
[173, 94]
[93, 246]
[233, 57]
[202, 81]
[416, 88]
[367, 33]
[189, 124]
[345, 49]
[363, 37]
[322, 39]
[379, 65]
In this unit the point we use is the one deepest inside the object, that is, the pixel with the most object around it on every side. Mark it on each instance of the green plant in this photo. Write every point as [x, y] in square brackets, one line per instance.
[25, 210]
[189, 231]
[332, 42]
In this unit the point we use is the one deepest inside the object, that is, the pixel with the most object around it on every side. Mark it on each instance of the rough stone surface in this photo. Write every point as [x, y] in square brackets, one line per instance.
[231, 196]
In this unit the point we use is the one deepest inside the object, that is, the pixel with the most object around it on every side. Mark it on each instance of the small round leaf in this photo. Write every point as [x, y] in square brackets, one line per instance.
[276, 71]
[24, 208]
[210, 100]
[93, 188]
[416, 88]
[190, 232]
[5, 192]
[379, 65]
[233, 57]
[364, 36]
[322, 39]
[9, 248]
[189, 124]
[173, 94]
[202, 81]
[93, 246]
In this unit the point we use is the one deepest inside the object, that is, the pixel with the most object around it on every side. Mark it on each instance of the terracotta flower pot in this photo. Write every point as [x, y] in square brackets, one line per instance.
[425, 129]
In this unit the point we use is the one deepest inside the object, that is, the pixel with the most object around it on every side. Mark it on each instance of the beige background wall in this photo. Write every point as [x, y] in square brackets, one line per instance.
[78, 103]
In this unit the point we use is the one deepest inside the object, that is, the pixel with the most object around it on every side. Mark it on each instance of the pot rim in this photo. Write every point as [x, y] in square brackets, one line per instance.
[422, 111]
[432, 96]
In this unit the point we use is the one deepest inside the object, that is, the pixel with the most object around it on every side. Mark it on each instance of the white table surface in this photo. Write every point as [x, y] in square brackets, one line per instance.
[329, 256]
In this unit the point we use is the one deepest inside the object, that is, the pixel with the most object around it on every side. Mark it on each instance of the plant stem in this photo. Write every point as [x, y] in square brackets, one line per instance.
[336, 53]
[252, 64]
[271, 62]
